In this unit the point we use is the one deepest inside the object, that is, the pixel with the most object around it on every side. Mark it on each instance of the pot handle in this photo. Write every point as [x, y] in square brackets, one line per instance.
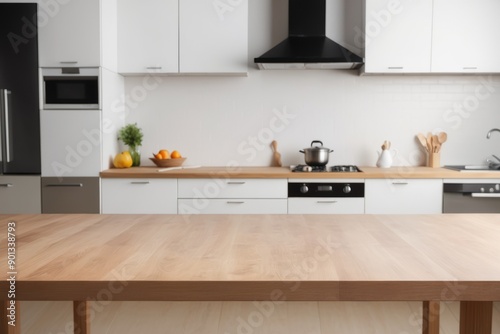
[316, 141]
[302, 151]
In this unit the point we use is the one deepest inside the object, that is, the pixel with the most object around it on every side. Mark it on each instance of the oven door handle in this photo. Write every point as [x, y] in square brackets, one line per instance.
[485, 195]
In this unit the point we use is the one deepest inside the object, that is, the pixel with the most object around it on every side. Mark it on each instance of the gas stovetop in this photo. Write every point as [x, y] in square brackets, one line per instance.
[325, 169]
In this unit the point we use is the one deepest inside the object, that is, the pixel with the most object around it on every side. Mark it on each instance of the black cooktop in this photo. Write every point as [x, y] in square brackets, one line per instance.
[326, 169]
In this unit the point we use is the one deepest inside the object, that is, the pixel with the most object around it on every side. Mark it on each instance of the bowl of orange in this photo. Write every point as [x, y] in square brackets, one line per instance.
[164, 159]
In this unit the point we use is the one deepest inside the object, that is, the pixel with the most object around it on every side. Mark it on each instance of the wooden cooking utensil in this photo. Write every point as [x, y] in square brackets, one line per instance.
[429, 141]
[276, 155]
[423, 141]
[435, 144]
[442, 137]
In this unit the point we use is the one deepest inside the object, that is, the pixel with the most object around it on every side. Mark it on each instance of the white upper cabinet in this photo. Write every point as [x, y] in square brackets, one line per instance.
[69, 33]
[464, 36]
[398, 36]
[182, 36]
[213, 36]
[148, 33]
[432, 36]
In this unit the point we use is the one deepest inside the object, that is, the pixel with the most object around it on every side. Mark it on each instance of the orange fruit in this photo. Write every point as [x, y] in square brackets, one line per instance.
[158, 156]
[164, 154]
[175, 155]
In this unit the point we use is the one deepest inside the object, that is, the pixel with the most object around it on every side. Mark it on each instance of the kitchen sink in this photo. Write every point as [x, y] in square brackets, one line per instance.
[472, 168]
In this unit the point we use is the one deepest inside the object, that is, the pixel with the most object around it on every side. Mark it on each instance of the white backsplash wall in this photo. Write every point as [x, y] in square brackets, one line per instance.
[215, 121]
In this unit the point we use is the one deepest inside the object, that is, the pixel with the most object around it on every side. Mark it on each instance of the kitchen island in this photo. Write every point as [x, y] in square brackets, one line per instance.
[427, 258]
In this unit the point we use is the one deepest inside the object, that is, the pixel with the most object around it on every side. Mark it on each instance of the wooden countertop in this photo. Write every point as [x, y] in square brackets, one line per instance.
[284, 172]
[254, 257]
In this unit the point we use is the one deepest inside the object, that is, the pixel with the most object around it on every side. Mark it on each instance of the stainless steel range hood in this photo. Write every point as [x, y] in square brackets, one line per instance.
[307, 46]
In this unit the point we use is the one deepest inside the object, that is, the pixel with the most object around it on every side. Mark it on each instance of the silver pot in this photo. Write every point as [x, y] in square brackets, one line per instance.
[316, 155]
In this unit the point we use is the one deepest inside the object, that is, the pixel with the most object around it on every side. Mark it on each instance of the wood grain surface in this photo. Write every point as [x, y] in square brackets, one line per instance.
[284, 172]
[258, 257]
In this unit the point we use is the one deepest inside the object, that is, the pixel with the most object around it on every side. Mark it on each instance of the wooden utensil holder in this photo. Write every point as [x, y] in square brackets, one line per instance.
[434, 160]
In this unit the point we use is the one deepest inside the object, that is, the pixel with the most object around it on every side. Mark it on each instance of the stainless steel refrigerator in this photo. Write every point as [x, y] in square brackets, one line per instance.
[19, 103]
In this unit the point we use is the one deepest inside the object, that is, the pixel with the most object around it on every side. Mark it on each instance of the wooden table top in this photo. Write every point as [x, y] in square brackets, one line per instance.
[285, 173]
[254, 257]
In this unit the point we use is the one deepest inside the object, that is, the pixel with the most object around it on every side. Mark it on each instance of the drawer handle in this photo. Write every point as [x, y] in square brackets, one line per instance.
[78, 185]
[235, 202]
[139, 182]
[6, 185]
[326, 202]
[470, 68]
[395, 67]
[400, 183]
[236, 182]
[69, 62]
[154, 68]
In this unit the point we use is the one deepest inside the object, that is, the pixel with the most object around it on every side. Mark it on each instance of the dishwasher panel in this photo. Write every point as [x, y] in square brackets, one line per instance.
[70, 195]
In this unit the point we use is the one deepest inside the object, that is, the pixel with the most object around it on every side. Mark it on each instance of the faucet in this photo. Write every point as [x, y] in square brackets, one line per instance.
[488, 135]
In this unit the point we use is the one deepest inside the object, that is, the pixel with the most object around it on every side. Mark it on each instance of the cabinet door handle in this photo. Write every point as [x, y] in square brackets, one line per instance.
[235, 202]
[68, 185]
[469, 68]
[139, 182]
[326, 202]
[69, 62]
[236, 182]
[154, 68]
[395, 67]
[6, 185]
[400, 183]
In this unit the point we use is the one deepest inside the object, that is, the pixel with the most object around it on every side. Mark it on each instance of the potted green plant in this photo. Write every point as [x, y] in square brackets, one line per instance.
[131, 135]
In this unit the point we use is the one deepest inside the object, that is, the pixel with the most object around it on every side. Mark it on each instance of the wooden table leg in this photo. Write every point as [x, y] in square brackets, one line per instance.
[430, 323]
[4, 321]
[81, 317]
[476, 317]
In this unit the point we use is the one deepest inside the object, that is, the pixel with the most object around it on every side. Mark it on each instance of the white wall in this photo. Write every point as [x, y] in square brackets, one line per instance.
[212, 120]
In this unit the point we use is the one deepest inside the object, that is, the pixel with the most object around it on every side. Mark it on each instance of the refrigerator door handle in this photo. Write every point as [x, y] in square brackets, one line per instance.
[6, 111]
[2, 121]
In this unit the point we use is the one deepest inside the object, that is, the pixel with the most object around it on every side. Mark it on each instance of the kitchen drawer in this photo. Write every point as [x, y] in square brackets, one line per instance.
[232, 206]
[20, 194]
[233, 188]
[316, 205]
[139, 196]
[70, 195]
[416, 196]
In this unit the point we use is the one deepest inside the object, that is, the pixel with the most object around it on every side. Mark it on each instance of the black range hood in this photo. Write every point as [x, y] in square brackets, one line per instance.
[307, 46]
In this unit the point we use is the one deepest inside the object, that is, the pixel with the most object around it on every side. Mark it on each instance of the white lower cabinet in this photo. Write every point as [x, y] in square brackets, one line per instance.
[20, 194]
[232, 196]
[318, 205]
[415, 196]
[139, 196]
[232, 206]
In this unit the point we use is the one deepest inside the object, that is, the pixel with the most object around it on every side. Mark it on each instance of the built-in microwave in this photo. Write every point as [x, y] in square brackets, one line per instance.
[70, 88]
